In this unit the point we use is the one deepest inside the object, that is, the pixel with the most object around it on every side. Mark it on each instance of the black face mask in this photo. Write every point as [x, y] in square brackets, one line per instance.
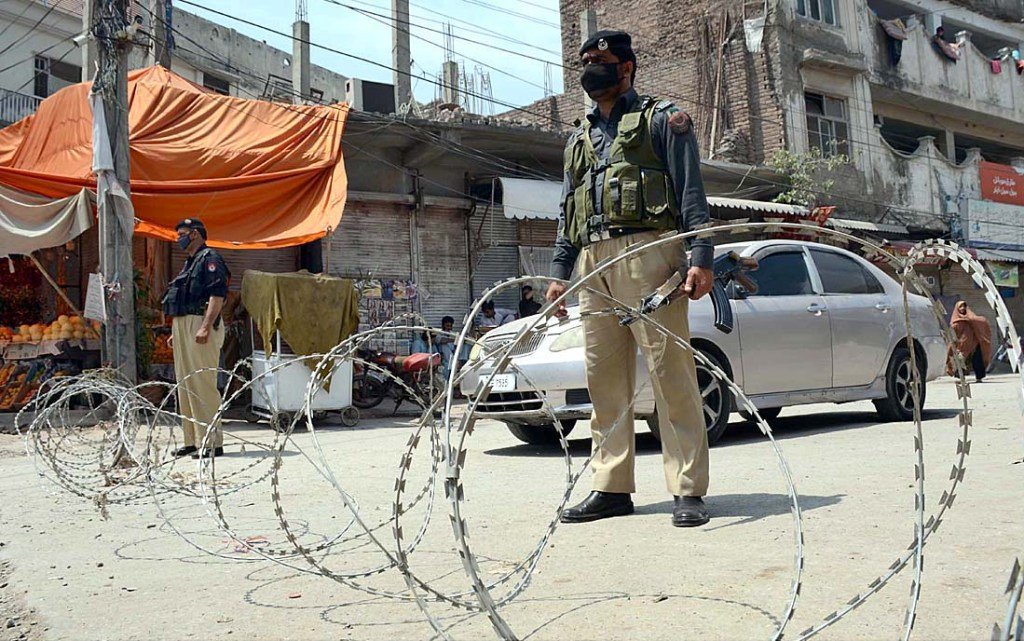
[600, 76]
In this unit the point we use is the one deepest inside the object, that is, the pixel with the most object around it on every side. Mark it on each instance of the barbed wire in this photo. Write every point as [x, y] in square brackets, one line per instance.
[128, 457]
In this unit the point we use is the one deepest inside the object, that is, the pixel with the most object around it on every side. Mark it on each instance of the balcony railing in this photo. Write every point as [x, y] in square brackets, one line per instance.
[969, 83]
[14, 106]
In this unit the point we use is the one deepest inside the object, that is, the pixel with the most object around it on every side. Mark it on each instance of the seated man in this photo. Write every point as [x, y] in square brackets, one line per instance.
[491, 317]
[445, 346]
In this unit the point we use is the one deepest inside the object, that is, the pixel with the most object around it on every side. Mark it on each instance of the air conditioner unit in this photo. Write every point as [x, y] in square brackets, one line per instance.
[366, 95]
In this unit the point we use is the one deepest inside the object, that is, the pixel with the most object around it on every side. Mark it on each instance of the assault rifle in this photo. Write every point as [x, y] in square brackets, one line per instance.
[726, 268]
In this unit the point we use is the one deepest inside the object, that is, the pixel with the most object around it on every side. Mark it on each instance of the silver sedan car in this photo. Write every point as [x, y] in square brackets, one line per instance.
[824, 325]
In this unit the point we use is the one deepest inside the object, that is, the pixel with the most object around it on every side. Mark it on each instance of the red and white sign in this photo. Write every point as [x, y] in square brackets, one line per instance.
[1001, 183]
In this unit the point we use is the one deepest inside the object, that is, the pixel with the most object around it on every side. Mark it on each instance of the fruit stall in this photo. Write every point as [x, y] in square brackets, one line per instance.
[32, 354]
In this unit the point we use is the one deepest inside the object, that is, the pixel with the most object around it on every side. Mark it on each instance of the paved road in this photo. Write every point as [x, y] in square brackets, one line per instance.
[134, 577]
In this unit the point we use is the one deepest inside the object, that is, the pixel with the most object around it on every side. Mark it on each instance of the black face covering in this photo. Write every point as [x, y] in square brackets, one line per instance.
[600, 76]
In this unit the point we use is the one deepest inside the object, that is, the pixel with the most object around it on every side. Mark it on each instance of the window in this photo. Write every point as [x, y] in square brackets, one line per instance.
[218, 85]
[782, 274]
[821, 10]
[827, 128]
[53, 75]
[843, 275]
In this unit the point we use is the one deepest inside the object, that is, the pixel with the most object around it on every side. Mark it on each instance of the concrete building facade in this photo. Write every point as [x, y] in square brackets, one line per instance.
[933, 131]
[40, 56]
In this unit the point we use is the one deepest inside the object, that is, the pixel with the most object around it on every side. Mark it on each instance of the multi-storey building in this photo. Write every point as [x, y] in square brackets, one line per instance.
[925, 98]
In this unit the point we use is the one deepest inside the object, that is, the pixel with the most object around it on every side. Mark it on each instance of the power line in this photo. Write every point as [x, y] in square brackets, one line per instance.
[391, 18]
[38, 53]
[515, 14]
[362, 59]
[431, 42]
[433, 138]
[28, 5]
[763, 180]
[30, 31]
[893, 135]
[467, 25]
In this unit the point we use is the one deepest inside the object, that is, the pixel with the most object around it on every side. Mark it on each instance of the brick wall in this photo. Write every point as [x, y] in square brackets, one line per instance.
[692, 52]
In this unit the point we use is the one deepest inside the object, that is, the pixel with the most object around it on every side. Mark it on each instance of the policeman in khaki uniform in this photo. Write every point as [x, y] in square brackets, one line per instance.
[194, 299]
[632, 173]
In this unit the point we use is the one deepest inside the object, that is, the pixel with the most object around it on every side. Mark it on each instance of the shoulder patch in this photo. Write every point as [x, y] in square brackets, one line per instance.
[679, 122]
[665, 105]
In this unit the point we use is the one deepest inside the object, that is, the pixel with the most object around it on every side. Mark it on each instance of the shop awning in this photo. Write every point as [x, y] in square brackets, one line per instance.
[758, 206]
[863, 225]
[29, 222]
[523, 198]
[1002, 255]
[259, 174]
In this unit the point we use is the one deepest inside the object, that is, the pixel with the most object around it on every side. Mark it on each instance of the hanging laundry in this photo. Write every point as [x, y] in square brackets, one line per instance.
[895, 34]
[997, 66]
[1020, 67]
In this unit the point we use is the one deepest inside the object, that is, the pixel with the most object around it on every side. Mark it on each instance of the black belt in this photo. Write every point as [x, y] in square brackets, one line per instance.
[612, 232]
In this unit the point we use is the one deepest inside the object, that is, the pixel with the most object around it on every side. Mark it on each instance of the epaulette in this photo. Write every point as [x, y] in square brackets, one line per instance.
[663, 105]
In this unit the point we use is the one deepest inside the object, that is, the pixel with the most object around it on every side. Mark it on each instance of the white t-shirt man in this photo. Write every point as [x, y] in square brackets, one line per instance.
[498, 317]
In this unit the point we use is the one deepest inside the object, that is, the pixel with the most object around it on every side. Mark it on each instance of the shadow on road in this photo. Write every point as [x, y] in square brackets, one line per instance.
[751, 507]
[740, 432]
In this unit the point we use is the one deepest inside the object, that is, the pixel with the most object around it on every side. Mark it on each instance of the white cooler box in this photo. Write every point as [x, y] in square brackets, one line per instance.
[284, 389]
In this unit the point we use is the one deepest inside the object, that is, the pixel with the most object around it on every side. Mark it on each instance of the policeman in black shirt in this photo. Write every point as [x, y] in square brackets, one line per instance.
[194, 300]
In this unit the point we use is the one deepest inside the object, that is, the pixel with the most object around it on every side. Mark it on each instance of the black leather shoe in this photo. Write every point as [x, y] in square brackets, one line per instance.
[209, 453]
[599, 505]
[185, 451]
[690, 511]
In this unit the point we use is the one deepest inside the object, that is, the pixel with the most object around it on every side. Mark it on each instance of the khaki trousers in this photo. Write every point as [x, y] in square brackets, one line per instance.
[198, 398]
[611, 370]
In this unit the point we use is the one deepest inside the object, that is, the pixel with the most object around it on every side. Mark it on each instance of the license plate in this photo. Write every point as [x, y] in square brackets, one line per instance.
[503, 383]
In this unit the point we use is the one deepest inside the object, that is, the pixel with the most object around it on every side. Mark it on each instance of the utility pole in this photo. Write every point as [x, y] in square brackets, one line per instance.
[588, 27]
[401, 54]
[109, 27]
[311, 254]
[159, 50]
[300, 53]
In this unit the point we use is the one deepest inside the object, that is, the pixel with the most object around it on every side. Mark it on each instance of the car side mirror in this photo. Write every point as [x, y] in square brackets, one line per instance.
[735, 291]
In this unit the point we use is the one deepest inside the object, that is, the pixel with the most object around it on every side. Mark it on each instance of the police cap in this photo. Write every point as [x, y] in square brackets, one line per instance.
[190, 224]
[617, 41]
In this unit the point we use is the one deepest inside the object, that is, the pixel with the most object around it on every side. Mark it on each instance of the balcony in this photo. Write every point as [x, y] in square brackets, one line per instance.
[965, 88]
[14, 106]
[921, 181]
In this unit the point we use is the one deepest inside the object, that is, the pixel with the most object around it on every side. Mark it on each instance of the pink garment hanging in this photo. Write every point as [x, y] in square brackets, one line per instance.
[997, 66]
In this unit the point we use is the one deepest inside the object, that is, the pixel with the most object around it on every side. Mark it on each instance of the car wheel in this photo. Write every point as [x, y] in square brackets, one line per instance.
[898, 404]
[769, 414]
[716, 397]
[540, 434]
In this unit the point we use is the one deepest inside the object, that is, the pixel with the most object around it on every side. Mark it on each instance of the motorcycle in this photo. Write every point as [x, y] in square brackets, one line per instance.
[418, 372]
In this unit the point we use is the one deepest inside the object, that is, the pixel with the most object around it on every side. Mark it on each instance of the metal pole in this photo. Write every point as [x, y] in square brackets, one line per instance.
[109, 27]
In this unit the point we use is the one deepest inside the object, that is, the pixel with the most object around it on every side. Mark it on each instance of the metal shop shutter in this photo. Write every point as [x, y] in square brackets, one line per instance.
[443, 264]
[275, 261]
[495, 255]
[372, 239]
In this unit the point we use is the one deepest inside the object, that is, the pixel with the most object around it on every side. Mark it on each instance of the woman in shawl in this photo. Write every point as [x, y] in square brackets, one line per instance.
[973, 339]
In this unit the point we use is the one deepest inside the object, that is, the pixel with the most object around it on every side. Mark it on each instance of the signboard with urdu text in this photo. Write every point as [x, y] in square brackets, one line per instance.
[1001, 183]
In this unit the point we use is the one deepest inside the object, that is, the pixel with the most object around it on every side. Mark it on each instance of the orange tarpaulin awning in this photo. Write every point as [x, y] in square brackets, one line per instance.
[258, 174]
